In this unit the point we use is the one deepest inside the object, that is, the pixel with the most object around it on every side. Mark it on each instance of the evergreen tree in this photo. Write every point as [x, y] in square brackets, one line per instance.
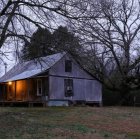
[44, 43]
[66, 41]
[40, 45]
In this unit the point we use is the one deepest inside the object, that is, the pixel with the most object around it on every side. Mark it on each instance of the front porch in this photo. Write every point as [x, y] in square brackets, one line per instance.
[33, 90]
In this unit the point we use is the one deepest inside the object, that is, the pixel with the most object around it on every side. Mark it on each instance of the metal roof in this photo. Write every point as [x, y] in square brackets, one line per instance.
[24, 75]
[31, 68]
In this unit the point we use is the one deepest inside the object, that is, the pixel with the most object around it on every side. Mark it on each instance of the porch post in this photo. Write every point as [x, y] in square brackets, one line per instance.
[15, 90]
[28, 94]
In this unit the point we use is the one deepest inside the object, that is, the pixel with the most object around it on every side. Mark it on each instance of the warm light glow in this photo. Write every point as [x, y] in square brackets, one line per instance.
[9, 83]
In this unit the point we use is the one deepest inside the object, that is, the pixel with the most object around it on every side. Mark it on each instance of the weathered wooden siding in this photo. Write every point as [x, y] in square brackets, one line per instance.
[87, 90]
[85, 87]
[10, 94]
[32, 88]
[93, 90]
[18, 91]
[21, 90]
[59, 69]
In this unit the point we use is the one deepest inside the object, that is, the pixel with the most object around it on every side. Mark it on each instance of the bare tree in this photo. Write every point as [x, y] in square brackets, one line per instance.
[19, 18]
[110, 30]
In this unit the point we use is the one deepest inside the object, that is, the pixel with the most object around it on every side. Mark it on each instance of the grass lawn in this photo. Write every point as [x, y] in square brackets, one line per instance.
[70, 122]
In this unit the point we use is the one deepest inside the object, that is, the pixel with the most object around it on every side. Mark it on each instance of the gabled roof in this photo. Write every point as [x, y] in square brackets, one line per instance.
[31, 68]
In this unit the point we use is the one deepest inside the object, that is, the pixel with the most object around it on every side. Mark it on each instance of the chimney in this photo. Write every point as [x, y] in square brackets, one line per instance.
[5, 64]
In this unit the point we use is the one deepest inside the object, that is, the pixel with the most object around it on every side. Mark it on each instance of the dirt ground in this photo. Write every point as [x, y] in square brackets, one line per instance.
[70, 122]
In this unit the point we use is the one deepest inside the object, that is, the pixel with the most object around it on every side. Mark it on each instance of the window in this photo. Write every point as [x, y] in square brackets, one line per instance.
[68, 84]
[68, 66]
[39, 87]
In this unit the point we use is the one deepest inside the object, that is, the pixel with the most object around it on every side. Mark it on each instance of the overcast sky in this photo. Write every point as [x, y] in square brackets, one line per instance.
[10, 58]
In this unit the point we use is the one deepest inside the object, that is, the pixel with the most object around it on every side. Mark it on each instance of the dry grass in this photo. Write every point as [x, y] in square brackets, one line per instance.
[70, 122]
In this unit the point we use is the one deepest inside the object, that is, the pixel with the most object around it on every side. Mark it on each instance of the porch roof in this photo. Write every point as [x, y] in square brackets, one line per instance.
[24, 75]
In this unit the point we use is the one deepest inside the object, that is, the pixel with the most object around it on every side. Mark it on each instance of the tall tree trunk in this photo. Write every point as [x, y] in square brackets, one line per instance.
[125, 93]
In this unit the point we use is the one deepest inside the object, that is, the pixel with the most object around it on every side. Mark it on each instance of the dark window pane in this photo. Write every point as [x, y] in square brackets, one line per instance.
[68, 66]
[39, 90]
[68, 87]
